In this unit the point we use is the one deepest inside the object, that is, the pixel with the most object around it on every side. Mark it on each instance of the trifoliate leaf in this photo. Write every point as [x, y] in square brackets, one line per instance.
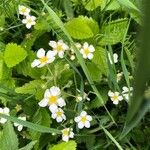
[100, 59]
[71, 145]
[113, 32]
[33, 87]
[8, 138]
[92, 4]
[14, 54]
[82, 27]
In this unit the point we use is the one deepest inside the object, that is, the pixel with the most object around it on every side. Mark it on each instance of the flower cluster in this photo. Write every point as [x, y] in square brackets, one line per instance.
[29, 20]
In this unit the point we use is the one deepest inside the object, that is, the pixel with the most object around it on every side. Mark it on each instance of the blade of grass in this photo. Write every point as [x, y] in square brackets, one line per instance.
[30, 125]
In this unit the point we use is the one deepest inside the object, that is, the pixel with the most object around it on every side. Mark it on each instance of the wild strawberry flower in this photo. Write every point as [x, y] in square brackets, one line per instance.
[66, 134]
[119, 76]
[4, 111]
[83, 120]
[29, 21]
[52, 99]
[19, 126]
[87, 51]
[127, 92]
[59, 47]
[43, 58]
[115, 97]
[115, 58]
[24, 10]
[58, 114]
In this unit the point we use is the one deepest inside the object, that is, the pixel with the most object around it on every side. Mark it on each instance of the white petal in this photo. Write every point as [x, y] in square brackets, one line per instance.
[35, 63]
[87, 124]
[120, 98]
[91, 48]
[59, 119]
[53, 108]
[47, 93]
[110, 93]
[77, 119]
[54, 115]
[55, 91]
[1, 110]
[90, 56]
[41, 65]
[65, 138]
[40, 53]
[116, 102]
[6, 110]
[50, 60]
[80, 125]
[3, 120]
[53, 44]
[71, 135]
[16, 124]
[61, 102]
[61, 54]
[24, 21]
[20, 127]
[65, 47]
[84, 56]
[89, 118]
[43, 102]
[83, 113]
[115, 58]
[85, 45]
[63, 116]
[51, 54]
[28, 25]
[82, 51]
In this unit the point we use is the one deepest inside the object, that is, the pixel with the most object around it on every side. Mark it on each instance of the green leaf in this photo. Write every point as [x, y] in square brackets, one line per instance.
[90, 5]
[82, 27]
[71, 145]
[8, 139]
[33, 87]
[100, 59]
[95, 73]
[113, 32]
[14, 54]
[29, 146]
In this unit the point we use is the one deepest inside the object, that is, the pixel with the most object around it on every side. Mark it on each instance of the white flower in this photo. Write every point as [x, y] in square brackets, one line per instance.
[52, 99]
[24, 10]
[115, 97]
[87, 51]
[44, 59]
[59, 47]
[5, 111]
[119, 76]
[66, 134]
[19, 126]
[115, 58]
[127, 92]
[83, 120]
[29, 21]
[58, 114]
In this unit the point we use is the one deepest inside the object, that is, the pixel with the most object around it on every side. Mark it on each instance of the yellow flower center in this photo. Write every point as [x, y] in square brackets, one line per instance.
[65, 132]
[115, 97]
[86, 51]
[29, 21]
[59, 113]
[59, 48]
[43, 59]
[83, 119]
[23, 10]
[52, 100]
